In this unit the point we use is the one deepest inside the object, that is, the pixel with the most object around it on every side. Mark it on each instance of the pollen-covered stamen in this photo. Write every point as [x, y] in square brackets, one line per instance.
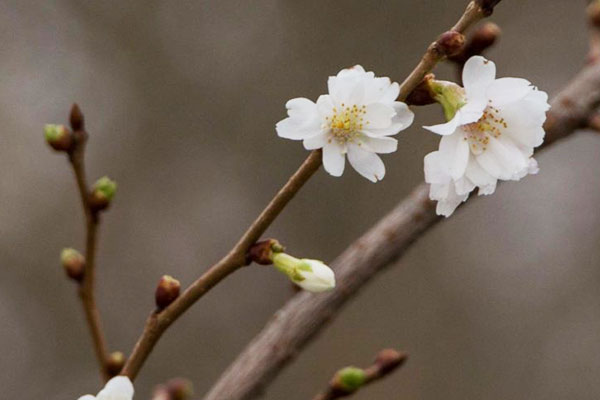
[346, 123]
[489, 125]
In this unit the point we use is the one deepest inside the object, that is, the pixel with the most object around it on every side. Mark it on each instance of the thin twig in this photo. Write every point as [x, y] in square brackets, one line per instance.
[305, 315]
[87, 286]
[386, 362]
[158, 322]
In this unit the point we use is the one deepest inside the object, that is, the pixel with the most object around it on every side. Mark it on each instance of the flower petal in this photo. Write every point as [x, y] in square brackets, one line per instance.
[403, 119]
[365, 163]
[87, 397]
[446, 129]
[334, 159]
[316, 142]
[380, 145]
[379, 116]
[119, 387]
[478, 74]
[436, 168]
[325, 105]
[303, 120]
[457, 152]
[508, 90]
[480, 177]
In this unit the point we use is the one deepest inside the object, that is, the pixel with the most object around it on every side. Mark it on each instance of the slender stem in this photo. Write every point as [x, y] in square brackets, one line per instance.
[434, 54]
[86, 288]
[386, 362]
[157, 323]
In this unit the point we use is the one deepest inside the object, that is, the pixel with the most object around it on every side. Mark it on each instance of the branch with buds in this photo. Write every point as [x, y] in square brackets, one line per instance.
[349, 380]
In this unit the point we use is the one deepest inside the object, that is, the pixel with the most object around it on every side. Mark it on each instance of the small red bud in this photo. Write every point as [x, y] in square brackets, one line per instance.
[421, 95]
[76, 118]
[73, 263]
[451, 42]
[180, 389]
[389, 359]
[115, 363]
[161, 392]
[166, 291]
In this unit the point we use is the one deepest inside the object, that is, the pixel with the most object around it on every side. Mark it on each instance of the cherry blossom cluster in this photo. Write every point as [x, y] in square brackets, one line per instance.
[492, 128]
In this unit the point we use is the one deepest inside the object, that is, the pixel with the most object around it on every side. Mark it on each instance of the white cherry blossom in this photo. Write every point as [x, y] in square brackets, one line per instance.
[356, 118]
[118, 388]
[490, 137]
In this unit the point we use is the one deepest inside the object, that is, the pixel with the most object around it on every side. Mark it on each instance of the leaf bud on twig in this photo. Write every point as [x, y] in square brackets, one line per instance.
[167, 291]
[74, 264]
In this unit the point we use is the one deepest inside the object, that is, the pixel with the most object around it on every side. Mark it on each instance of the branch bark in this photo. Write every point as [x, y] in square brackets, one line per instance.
[306, 314]
[87, 286]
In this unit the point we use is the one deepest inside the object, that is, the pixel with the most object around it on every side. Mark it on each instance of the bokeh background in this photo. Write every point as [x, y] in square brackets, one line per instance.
[502, 301]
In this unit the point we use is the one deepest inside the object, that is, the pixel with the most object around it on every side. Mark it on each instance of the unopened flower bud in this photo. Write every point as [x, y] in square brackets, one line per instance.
[451, 42]
[310, 275]
[166, 291]
[58, 137]
[103, 192]
[388, 360]
[76, 118]
[73, 263]
[161, 392]
[115, 363]
[348, 380]
[180, 389]
[262, 252]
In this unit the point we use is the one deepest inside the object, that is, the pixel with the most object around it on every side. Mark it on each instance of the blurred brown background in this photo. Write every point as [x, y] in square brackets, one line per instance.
[500, 302]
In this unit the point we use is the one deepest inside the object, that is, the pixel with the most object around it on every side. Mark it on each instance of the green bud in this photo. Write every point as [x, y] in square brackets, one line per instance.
[58, 137]
[106, 187]
[350, 379]
[103, 192]
[74, 263]
[450, 96]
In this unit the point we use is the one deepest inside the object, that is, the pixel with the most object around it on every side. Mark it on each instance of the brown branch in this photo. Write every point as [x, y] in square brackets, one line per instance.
[158, 322]
[386, 362]
[305, 315]
[92, 220]
[476, 10]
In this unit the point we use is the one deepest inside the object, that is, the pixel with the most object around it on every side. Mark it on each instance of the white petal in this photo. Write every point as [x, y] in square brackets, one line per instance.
[439, 191]
[293, 129]
[390, 94]
[87, 397]
[347, 89]
[456, 150]
[403, 119]
[463, 186]
[502, 160]
[334, 159]
[446, 129]
[447, 206]
[479, 176]
[301, 108]
[365, 163]
[436, 168]
[478, 74]
[325, 105]
[379, 116]
[380, 145]
[320, 279]
[119, 387]
[532, 167]
[508, 90]
[316, 142]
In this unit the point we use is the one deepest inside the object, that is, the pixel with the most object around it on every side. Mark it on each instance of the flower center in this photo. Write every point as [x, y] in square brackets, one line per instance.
[489, 125]
[346, 124]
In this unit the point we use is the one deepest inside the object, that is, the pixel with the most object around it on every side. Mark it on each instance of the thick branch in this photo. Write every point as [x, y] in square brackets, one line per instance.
[86, 288]
[157, 323]
[306, 314]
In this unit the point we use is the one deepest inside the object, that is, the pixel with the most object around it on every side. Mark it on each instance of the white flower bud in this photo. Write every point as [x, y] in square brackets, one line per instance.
[311, 275]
